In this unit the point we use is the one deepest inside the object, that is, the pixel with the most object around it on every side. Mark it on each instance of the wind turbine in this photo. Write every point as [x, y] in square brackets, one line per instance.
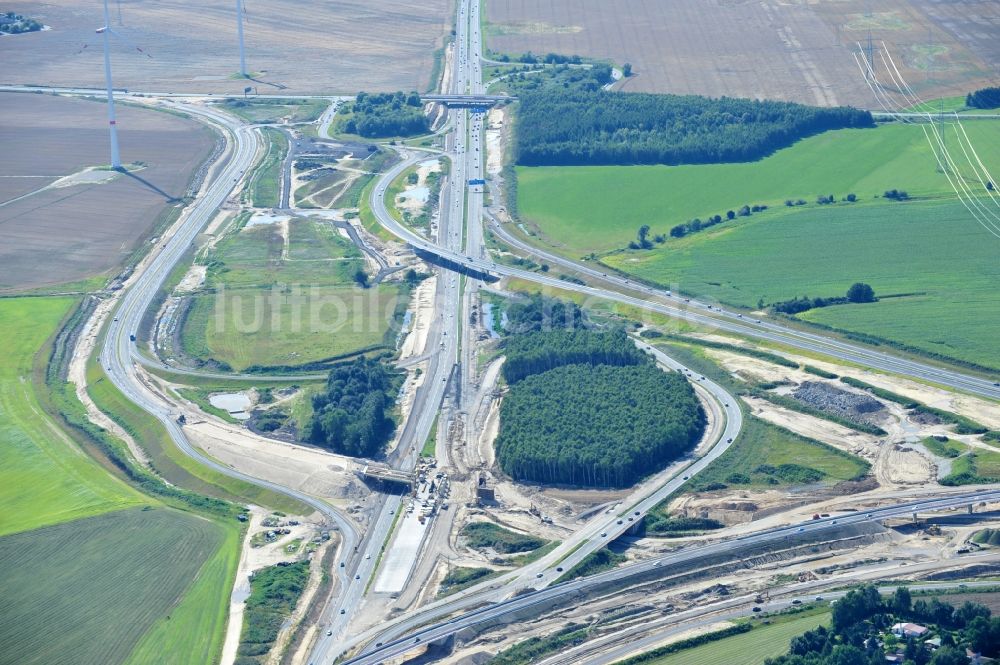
[106, 31]
[239, 30]
[116, 159]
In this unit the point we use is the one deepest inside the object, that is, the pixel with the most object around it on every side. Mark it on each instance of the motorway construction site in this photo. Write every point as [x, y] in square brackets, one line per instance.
[429, 551]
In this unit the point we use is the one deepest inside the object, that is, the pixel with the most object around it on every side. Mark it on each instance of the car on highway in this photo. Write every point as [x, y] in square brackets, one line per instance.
[559, 569]
[801, 529]
[604, 534]
[329, 633]
[619, 521]
[539, 575]
[343, 611]
[796, 601]
[756, 609]
[357, 577]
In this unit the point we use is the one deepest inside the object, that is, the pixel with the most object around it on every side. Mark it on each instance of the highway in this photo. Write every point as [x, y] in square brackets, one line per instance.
[612, 648]
[442, 343]
[117, 353]
[708, 316]
[460, 240]
[393, 646]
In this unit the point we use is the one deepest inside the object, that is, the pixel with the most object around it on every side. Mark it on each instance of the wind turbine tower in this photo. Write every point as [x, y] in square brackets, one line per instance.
[116, 160]
[239, 31]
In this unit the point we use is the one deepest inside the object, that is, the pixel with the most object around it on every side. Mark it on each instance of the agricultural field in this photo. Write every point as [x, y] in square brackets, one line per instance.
[877, 239]
[44, 478]
[98, 222]
[751, 648]
[876, 244]
[794, 51]
[286, 294]
[292, 47]
[580, 209]
[116, 575]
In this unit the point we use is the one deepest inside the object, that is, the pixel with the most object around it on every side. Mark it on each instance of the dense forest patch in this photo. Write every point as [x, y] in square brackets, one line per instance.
[384, 114]
[351, 415]
[538, 352]
[597, 426]
[567, 119]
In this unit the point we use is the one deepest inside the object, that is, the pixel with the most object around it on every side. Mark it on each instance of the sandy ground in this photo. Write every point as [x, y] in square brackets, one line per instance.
[978, 409]
[77, 375]
[192, 280]
[414, 204]
[310, 470]
[253, 559]
[838, 436]
[423, 316]
[292, 46]
[494, 141]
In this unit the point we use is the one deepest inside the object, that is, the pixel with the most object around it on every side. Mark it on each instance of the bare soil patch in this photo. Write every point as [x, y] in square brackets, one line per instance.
[69, 233]
[292, 46]
[794, 50]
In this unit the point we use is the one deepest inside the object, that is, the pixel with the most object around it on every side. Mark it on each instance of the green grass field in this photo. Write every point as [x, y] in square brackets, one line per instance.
[334, 322]
[271, 110]
[194, 630]
[748, 649]
[277, 301]
[761, 443]
[87, 591]
[44, 478]
[584, 209]
[264, 188]
[931, 250]
[256, 256]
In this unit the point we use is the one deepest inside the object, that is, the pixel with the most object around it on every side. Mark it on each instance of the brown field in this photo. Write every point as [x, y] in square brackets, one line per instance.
[69, 233]
[797, 50]
[335, 46]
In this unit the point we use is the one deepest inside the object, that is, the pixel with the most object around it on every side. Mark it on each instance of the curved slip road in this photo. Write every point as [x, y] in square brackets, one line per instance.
[117, 353]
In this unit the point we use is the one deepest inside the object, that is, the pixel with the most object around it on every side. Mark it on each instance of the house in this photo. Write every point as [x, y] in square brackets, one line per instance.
[933, 644]
[908, 630]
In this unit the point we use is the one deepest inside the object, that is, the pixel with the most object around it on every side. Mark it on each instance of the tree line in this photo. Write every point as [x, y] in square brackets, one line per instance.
[596, 426]
[985, 98]
[567, 119]
[351, 416]
[540, 313]
[379, 115]
[538, 352]
[860, 632]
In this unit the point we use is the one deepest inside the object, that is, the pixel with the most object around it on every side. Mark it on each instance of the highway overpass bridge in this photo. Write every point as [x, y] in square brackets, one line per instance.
[468, 101]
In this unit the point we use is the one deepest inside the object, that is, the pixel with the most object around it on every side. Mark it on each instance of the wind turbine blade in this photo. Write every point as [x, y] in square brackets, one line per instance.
[127, 42]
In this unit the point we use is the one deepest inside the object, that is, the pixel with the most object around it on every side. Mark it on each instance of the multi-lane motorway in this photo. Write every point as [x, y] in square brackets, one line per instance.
[460, 241]
[392, 646]
[117, 353]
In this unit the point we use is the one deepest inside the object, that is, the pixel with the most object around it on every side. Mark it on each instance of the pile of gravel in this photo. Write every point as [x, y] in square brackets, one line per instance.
[830, 399]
